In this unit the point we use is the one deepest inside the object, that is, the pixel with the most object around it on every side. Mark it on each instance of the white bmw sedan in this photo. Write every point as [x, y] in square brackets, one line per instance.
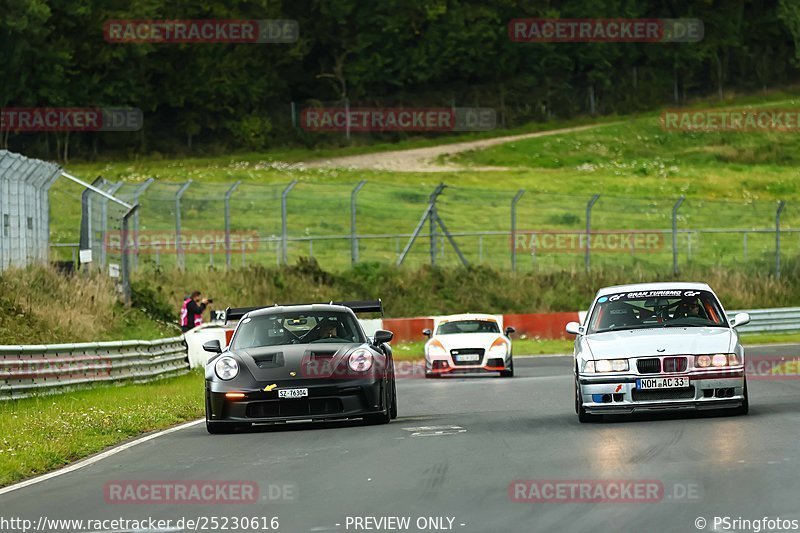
[468, 343]
[658, 346]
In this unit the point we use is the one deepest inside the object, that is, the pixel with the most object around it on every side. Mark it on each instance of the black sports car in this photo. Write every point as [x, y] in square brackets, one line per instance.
[300, 362]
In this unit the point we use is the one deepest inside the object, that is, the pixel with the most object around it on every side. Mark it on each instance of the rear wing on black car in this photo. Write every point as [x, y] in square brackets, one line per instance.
[361, 306]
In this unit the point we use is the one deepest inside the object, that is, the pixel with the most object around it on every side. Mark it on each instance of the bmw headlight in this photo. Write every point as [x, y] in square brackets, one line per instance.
[226, 368]
[360, 360]
[606, 365]
[435, 349]
[716, 360]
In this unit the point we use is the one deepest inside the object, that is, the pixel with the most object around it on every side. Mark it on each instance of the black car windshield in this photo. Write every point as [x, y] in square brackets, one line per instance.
[655, 309]
[468, 326]
[278, 329]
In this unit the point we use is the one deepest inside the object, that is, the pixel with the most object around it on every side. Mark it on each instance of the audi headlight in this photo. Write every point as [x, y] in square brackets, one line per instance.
[226, 368]
[606, 365]
[360, 360]
[716, 360]
[498, 349]
[435, 349]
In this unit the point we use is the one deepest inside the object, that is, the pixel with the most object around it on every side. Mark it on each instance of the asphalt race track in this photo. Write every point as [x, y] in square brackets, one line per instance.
[454, 451]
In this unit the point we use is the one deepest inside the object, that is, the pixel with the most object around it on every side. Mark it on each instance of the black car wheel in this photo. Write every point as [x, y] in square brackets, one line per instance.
[510, 372]
[386, 416]
[393, 411]
[745, 407]
[583, 416]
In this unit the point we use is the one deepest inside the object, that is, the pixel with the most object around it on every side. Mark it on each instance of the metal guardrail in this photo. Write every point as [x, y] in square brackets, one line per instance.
[51, 368]
[779, 320]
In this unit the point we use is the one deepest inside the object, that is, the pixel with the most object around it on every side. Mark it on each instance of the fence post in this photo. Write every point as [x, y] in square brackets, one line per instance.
[353, 234]
[86, 215]
[178, 246]
[781, 205]
[675, 234]
[284, 227]
[126, 265]
[589, 205]
[514, 228]
[104, 223]
[136, 194]
[228, 194]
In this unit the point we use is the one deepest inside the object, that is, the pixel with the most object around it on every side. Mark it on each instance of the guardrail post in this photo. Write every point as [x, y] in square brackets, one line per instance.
[778, 212]
[675, 234]
[284, 227]
[136, 194]
[228, 194]
[587, 256]
[178, 247]
[514, 228]
[353, 234]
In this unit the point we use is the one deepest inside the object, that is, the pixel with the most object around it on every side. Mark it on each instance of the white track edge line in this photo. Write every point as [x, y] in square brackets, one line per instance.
[96, 458]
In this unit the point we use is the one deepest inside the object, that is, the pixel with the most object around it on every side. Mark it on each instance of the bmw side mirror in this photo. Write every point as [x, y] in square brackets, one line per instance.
[574, 328]
[510, 330]
[427, 332]
[740, 319]
[212, 346]
[382, 336]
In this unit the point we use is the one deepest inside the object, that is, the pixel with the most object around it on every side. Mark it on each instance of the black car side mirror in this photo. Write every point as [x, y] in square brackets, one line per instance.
[510, 330]
[427, 332]
[212, 346]
[382, 336]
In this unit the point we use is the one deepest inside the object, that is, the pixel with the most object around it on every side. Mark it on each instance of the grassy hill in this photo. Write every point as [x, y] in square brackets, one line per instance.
[731, 181]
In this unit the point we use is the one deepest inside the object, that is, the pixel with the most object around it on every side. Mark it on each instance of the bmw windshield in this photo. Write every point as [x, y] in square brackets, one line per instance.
[656, 309]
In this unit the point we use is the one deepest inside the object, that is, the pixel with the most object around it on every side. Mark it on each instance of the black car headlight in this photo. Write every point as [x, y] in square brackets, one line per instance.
[226, 368]
[360, 360]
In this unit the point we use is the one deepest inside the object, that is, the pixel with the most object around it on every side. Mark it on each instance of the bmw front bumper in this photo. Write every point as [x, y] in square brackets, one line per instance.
[618, 394]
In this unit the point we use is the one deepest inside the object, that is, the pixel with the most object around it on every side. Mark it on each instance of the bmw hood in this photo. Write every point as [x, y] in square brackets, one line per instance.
[659, 341]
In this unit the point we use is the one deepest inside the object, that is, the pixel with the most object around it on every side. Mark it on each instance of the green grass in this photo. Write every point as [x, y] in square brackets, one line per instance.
[44, 433]
[731, 180]
[770, 338]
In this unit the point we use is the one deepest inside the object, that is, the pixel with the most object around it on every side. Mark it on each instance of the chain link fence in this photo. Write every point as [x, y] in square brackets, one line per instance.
[24, 209]
[200, 225]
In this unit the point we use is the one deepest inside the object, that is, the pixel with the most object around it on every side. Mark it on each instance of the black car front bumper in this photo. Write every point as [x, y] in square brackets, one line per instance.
[327, 400]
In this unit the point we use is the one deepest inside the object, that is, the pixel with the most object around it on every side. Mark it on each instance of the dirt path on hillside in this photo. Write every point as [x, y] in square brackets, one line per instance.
[425, 159]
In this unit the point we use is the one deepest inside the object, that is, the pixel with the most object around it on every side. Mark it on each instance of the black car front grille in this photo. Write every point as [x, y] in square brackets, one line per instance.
[675, 364]
[467, 351]
[662, 394]
[648, 366]
[295, 407]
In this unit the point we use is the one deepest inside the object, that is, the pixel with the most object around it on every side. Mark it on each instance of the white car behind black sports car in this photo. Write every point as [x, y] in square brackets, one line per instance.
[658, 346]
[468, 343]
